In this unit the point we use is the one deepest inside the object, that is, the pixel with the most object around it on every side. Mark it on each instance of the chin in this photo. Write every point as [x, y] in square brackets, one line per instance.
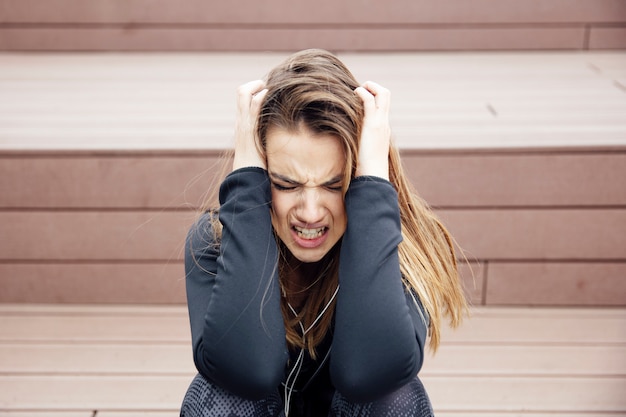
[308, 256]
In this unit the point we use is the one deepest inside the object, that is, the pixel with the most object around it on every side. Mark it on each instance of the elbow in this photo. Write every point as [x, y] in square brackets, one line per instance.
[370, 380]
[260, 384]
[248, 378]
[254, 385]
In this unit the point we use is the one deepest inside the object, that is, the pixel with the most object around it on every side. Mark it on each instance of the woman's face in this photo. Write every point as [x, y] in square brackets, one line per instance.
[307, 176]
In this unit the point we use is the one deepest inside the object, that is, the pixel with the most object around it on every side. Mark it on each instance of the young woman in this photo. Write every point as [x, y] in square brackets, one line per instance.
[313, 288]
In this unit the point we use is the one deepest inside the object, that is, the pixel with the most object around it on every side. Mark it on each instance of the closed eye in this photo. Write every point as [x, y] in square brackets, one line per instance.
[334, 187]
[283, 183]
[335, 184]
[281, 187]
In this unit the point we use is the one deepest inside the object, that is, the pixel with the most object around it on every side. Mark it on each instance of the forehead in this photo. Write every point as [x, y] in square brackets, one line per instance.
[304, 156]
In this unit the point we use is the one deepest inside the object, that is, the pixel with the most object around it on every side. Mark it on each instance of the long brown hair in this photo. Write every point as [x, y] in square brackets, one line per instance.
[314, 89]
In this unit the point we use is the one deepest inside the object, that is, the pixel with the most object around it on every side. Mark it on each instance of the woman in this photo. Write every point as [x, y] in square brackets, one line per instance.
[311, 291]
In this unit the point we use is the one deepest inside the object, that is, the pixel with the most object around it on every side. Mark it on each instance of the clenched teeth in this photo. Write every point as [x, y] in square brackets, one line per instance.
[309, 233]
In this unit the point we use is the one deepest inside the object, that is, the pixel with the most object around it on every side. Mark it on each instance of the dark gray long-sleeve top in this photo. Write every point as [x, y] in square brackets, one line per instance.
[238, 333]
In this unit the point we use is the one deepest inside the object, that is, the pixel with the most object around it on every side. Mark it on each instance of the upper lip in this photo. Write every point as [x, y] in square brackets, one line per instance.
[309, 226]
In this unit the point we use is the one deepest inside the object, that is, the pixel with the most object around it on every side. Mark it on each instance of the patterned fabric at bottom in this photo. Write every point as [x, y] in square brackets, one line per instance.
[204, 399]
[409, 401]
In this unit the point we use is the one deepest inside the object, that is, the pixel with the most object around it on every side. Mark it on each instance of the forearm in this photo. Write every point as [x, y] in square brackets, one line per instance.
[240, 342]
[375, 346]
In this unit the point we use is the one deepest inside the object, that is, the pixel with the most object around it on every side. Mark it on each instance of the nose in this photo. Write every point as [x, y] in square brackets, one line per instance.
[310, 207]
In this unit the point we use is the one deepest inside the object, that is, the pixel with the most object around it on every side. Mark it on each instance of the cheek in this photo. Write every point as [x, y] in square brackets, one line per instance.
[338, 209]
[280, 207]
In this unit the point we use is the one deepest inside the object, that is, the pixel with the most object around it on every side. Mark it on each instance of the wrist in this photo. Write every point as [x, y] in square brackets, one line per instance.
[247, 158]
[240, 162]
[373, 170]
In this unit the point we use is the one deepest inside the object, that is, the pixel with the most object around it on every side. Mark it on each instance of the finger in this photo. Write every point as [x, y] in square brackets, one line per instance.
[257, 100]
[375, 88]
[247, 90]
[369, 101]
[251, 87]
[381, 94]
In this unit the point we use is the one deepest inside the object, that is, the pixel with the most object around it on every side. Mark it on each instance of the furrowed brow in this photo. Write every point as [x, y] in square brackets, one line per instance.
[333, 181]
[283, 178]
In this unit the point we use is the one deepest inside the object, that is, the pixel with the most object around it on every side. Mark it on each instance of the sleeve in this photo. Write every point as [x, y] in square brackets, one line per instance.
[233, 295]
[379, 327]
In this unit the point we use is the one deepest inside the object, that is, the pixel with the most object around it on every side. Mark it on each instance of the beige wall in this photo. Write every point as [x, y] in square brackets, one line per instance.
[110, 227]
[356, 25]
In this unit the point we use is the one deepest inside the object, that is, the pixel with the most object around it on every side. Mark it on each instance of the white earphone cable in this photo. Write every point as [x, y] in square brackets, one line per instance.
[297, 367]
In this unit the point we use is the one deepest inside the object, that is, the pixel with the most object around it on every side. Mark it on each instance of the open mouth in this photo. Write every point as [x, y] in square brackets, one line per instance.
[308, 234]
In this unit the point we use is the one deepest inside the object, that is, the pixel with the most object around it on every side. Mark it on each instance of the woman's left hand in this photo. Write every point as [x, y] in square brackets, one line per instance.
[376, 133]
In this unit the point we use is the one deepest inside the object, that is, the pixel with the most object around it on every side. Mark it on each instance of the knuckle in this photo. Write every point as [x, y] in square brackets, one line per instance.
[256, 99]
[242, 91]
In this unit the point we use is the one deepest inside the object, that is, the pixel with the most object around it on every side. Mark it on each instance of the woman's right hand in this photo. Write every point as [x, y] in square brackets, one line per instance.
[249, 99]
